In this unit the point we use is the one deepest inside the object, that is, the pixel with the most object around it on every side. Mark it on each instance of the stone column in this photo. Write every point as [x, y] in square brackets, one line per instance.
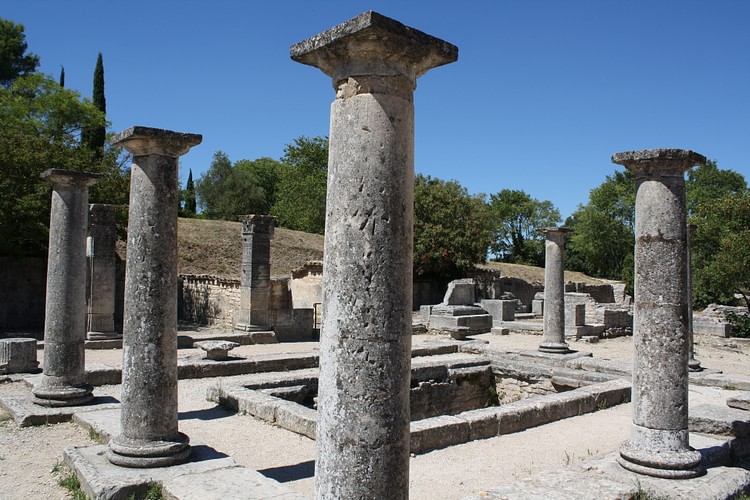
[693, 364]
[659, 441]
[149, 436]
[102, 272]
[63, 382]
[554, 291]
[255, 284]
[363, 397]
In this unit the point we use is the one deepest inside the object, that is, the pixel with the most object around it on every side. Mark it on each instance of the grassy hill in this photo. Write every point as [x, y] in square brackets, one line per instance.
[215, 247]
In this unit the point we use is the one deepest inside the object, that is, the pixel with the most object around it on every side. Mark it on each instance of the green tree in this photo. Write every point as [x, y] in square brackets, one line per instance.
[226, 192]
[62, 76]
[603, 236]
[187, 198]
[14, 60]
[301, 190]
[718, 206]
[95, 136]
[40, 126]
[267, 173]
[451, 229]
[517, 217]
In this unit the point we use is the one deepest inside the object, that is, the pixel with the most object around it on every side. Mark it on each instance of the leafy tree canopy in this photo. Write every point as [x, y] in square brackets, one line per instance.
[300, 196]
[226, 192]
[516, 219]
[40, 126]
[451, 229]
[14, 60]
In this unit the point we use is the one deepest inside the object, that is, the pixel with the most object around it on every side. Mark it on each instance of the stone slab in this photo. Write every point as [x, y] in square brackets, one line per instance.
[740, 401]
[603, 478]
[228, 482]
[718, 379]
[601, 365]
[105, 422]
[721, 420]
[27, 414]
[101, 479]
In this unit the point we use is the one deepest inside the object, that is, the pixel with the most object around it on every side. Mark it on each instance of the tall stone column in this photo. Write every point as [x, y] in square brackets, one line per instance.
[63, 382]
[102, 272]
[149, 436]
[363, 397]
[693, 364]
[255, 282]
[659, 441]
[554, 291]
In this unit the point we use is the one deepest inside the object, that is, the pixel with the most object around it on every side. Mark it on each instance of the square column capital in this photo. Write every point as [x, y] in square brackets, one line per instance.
[372, 44]
[646, 162]
[144, 141]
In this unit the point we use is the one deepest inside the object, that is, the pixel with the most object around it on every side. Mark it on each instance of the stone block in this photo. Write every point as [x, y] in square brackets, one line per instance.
[575, 314]
[460, 292]
[739, 401]
[297, 418]
[264, 337]
[438, 432]
[217, 350]
[711, 326]
[227, 482]
[537, 307]
[721, 420]
[482, 422]
[425, 312]
[18, 355]
[500, 310]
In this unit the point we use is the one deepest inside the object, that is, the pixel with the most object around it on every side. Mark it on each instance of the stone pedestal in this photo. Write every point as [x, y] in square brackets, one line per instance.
[18, 355]
[255, 282]
[658, 444]
[63, 382]
[553, 339]
[693, 364]
[102, 273]
[363, 398]
[150, 437]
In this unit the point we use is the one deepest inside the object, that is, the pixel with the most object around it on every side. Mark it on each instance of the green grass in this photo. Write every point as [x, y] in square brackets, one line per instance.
[68, 480]
[96, 437]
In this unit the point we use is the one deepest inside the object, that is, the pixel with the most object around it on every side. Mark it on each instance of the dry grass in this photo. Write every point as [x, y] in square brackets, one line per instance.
[533, 274]
[215, 247]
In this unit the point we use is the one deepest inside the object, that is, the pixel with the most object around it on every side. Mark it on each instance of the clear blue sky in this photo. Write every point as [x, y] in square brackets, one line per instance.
[543, 93]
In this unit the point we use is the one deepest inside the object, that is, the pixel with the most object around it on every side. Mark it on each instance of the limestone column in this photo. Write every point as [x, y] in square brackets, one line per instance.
[63, 382]
[554, 291]
[102, 272]
[693, 364]
[659, 441]
[363, 398]
[149, 436]
[255, 282]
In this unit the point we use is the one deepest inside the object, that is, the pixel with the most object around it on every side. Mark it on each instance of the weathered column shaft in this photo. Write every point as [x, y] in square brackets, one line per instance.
[150, 436]
[363, 396]
[255, 282]
[693, 364]
[554, 291]
[63, 381]
[102, 272]
[659, 442]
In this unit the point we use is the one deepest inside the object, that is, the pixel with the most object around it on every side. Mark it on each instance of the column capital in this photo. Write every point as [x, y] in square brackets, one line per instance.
[143, 141]
[256, 224]
[646, 162]
[552, 230]
[70, 178]
[372, 44]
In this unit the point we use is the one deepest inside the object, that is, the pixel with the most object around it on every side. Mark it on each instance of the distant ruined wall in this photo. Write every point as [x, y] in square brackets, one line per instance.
[208, 300]
[23, 286]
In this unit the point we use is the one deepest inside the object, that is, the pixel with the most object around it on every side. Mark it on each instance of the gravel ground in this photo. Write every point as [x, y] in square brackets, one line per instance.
[28, 456]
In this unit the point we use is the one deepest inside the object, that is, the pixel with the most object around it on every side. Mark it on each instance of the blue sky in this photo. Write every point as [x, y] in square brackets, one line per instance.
[543, 93]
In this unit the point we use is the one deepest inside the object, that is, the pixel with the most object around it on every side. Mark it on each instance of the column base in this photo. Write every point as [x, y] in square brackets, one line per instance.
[684, 464]
[694, 365]
[143, 454]
[246, 327]
[103, 335]
[554, 347]
[55, 397]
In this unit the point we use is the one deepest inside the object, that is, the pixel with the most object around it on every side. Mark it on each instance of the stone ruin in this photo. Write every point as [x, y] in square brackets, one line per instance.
[458, 313]
[438, 398]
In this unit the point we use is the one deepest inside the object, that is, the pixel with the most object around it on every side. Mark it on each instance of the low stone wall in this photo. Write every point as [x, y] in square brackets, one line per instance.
[208, 300]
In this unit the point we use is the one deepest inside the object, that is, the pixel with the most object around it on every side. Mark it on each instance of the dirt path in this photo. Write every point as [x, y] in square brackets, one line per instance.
[28, 455]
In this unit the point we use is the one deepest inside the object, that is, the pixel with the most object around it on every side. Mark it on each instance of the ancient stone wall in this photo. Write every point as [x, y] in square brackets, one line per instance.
[208, 300]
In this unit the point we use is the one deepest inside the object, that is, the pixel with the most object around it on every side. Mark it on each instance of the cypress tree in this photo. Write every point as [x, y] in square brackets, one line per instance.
[62, 76]
[190, 205]
[94, 137]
